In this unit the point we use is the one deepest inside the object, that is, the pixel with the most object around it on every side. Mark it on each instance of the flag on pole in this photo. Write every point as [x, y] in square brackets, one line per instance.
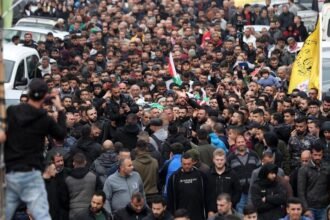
[305, 69]
[171, 68]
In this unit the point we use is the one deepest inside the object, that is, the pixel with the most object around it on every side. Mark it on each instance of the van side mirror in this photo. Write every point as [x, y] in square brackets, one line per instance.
[22, 82]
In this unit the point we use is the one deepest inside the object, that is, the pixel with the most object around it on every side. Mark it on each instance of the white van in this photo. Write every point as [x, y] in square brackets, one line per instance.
[20, 64]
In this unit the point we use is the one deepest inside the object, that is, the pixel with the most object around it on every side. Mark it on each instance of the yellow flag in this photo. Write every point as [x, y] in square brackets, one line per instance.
[305, 69]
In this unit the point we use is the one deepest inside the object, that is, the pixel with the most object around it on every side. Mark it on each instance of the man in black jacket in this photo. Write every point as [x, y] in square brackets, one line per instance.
[95, 210]
[127, 134]
[221, 179]
[135, 210]
[158, 208]
[186, 189]
[119, 106]
[28, 125]
[313, 183]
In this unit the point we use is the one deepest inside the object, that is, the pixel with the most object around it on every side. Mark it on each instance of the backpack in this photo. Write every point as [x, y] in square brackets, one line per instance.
[159, 143]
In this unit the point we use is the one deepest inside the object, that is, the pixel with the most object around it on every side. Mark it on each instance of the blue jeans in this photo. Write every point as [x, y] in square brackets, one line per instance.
[319, 214]
[242, 203]
[27, 187]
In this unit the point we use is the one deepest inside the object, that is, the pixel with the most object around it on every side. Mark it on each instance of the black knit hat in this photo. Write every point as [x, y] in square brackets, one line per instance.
[37, 89]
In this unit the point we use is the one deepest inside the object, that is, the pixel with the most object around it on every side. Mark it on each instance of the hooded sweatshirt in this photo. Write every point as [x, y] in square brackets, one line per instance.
[81, 186]
[104, 163]
[147, 167]
[89, 147]
[274, 193]
[127, 135]
[119, 189]
[26, 132]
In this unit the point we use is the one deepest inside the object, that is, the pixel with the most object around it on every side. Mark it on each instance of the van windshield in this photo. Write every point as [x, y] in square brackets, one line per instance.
[9, 65]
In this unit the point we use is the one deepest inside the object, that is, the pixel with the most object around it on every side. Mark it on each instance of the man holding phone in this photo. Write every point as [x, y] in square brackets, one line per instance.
[28, 125]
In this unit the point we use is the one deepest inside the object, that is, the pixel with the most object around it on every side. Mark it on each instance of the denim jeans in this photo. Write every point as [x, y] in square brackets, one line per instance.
[319, 214]
[242, 203]
[27, 187]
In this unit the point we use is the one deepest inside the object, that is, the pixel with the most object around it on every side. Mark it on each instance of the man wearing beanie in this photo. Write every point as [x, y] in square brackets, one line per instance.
[268, 195]
[28, 125]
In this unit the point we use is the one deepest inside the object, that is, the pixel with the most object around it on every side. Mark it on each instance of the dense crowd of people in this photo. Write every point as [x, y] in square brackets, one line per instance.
[116, 137]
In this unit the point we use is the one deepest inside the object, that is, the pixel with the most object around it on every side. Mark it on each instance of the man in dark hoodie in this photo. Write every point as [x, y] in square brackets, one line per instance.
[95, 209]
[28, 125]
[52, 190]
[135, 210]
[268, 195]
[127, 134]
[81, 184]
[87, 143]
[174, 137]
[187, 189]
[105, 162]
[158, 210]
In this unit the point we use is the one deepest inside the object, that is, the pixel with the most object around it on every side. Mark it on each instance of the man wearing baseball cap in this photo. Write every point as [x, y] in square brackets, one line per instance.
[28, 125]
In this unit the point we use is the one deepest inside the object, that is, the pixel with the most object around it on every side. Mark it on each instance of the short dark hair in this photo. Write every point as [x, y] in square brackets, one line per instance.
[141, 145]
[289, 111]
[138, 196]
[202, 134]
[301, 119]
[177, 148]
[158, 199]
[249, 209]
[258, 111]
[317, 146]
[294, 200]
[278, 117]
[100, 193]
[181, 213]
[186, 156]
[79, 158]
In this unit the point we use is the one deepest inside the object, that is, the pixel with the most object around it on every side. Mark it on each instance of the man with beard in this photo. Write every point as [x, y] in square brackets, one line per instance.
[268, 194]
[91, 115]
[136, 209]
[28, 41]
[158, 209]
[313, 183]
[299, 141]
[303, 106]
[187, 189]
[325, 107]
[95, 210]
[119, 106]
[200, 119]
[243, 161]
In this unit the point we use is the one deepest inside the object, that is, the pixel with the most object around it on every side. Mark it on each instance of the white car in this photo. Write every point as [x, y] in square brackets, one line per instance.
[20, 64]
[38, 34]
[38, 22]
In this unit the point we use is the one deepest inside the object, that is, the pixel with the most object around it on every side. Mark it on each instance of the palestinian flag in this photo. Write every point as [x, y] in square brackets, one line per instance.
[172, 71]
